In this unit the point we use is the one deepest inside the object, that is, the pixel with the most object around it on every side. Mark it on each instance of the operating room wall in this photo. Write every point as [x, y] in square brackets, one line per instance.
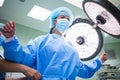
[116, 48]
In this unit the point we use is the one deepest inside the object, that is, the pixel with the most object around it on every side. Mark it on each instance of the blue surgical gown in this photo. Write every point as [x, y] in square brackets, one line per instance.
[53, 56]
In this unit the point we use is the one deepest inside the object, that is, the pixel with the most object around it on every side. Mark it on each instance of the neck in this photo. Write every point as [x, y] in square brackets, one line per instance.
[57, 32]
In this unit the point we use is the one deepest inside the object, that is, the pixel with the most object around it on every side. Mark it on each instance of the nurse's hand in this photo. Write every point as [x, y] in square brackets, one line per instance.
[103, 57]
[9, 29]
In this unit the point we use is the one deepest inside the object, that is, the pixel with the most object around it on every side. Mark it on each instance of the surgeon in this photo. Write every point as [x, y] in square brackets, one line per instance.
[53, 56]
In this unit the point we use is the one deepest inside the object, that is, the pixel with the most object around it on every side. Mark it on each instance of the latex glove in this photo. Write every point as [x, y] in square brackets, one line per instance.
[103, 57]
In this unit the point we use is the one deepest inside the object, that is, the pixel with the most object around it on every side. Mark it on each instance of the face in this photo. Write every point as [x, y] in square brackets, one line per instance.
[61, 24]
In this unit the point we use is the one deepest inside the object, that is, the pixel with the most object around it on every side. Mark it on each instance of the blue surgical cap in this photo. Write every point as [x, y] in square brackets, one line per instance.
[60, 11]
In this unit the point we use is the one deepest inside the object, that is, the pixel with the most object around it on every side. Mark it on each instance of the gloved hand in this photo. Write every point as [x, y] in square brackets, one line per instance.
[9, 29]
[103, 57]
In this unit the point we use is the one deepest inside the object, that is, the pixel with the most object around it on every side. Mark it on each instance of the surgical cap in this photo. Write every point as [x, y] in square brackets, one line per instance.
[60, 11]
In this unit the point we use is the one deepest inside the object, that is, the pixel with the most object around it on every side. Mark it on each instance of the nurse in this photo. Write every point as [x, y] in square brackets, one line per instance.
[50, 54]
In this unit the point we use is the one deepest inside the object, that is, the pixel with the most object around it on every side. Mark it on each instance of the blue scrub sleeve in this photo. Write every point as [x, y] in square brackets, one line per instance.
[13, 51]
[88, 69]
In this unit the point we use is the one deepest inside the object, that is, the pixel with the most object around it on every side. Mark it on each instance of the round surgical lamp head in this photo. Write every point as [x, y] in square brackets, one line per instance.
[104, 14]
[87, 40]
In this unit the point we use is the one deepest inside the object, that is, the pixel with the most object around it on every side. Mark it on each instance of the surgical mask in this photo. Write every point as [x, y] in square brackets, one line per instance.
[62, 25]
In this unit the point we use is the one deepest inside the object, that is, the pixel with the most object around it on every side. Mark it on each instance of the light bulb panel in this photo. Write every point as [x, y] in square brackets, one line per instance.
[104, 12]
[86, 39]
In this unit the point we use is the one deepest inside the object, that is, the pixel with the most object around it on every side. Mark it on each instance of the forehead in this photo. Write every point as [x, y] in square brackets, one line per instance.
[62, 16]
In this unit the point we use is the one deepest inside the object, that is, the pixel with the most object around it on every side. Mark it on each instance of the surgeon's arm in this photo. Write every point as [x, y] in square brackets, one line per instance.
[13, 51]
[87, 70]
[6, 66]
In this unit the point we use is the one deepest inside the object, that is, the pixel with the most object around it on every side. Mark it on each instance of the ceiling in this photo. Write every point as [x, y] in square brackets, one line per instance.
[17, 10]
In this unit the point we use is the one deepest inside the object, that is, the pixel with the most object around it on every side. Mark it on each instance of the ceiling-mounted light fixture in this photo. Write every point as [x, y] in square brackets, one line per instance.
[77, 3]
[104, 14]
[1, 3]
[39, 13]
[85, 36]
[86, 39]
